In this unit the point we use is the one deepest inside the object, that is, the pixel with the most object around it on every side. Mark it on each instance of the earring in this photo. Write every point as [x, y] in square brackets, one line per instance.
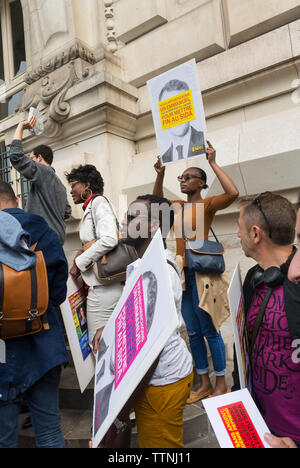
[85, 199]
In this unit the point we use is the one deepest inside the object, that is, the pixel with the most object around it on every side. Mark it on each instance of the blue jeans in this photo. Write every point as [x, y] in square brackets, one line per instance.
[199, 326]
[42, 400]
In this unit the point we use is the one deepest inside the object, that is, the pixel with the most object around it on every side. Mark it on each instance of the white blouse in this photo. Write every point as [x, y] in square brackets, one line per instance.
[98, 222]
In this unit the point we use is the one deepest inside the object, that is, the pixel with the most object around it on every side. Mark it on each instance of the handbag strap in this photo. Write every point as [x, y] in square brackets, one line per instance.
[117, 221]
[94, 227]
[183, 232]
[175, 267]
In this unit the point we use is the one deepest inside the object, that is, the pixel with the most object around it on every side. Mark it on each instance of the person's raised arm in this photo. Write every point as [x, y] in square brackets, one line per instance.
[158, 189]
[25, 125]
[28, 168]
[226, 181]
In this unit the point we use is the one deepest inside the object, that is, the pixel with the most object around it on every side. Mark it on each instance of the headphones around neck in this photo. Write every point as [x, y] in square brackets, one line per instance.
[272, 276]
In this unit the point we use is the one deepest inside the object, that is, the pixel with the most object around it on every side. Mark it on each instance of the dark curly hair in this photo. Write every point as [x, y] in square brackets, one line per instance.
[87, 174]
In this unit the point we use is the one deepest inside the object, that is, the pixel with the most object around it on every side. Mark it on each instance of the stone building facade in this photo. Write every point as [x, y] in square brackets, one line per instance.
[85, 64]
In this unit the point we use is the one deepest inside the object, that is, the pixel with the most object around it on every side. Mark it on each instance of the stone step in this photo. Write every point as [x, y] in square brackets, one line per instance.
[76, 426]
[76, 411]
[70, 396]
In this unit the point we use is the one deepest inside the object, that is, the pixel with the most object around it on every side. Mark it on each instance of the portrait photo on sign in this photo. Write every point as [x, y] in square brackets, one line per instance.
[136, 333]
[178, 113]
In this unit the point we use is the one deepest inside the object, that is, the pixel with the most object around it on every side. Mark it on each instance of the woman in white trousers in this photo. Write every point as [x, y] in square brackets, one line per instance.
[98, 224]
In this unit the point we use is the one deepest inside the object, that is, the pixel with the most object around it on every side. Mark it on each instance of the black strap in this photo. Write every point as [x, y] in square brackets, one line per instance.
[258, 321]
[183, 232]
[1, 289]
[174, 266]
[34, 292]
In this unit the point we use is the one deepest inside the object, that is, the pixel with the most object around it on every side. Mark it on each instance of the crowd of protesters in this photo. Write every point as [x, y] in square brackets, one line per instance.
[267, 226]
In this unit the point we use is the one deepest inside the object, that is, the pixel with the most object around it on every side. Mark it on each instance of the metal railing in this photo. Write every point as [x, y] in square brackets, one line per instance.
[20, 185]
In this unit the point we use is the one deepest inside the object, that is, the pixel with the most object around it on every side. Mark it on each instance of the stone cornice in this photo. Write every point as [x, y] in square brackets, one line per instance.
[77, 50]
[79, 101]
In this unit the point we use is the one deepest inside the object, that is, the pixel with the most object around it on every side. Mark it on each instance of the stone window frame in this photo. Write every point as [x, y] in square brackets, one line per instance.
[12, 83]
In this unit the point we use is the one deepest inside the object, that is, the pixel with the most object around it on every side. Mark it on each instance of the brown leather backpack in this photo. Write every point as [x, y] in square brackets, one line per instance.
[24, 298]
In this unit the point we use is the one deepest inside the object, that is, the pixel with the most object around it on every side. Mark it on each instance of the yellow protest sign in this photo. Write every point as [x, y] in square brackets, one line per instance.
[177, 110]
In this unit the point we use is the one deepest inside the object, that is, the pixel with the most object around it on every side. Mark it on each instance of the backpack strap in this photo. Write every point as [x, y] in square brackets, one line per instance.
[1, 290]
[34, 297]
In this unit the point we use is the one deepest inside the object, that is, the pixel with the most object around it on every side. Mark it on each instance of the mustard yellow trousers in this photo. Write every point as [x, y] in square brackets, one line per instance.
[159, 414]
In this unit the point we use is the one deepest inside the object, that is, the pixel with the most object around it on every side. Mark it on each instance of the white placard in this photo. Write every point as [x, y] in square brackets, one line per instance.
[178, 113]
[74, 315]
[236, 421]
[237, 312]
[136, 333]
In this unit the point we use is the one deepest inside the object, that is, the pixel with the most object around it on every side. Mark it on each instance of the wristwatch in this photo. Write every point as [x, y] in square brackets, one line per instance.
[120, 425]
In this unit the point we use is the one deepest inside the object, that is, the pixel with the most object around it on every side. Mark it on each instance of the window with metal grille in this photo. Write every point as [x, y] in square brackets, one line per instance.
[20, 185]
[5, 171]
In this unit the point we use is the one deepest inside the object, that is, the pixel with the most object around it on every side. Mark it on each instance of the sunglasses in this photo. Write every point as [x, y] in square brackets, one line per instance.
[74, 184]
[257, 202]
[187, 177]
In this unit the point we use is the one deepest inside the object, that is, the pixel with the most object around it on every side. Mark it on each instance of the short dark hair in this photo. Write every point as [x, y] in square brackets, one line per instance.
[6, 192]
[174, 85]
[202, 174]
[87, 174]
[278, 216]
[165, 216]
[46, 153]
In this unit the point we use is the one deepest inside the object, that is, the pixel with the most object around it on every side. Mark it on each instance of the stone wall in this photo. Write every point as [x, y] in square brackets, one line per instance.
[88, 63]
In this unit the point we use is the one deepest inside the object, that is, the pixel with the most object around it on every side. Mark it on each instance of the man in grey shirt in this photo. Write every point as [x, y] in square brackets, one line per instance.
[47, 196]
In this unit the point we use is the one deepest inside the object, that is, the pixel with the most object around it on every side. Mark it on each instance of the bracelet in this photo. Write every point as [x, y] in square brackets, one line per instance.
[120, 425]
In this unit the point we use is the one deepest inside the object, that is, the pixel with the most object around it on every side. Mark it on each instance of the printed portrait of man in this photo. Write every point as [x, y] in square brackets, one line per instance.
[106, 355]
[185, 140]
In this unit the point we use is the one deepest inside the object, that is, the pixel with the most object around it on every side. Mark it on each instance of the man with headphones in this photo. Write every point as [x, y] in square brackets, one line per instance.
[294, 270]
[272, 308]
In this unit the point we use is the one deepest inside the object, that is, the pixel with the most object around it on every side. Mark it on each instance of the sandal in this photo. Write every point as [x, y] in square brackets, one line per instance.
[228, 391]
[194, 396]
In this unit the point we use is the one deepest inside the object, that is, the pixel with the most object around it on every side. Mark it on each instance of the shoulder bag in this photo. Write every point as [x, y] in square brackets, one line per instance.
[204, 256]
[111, 268]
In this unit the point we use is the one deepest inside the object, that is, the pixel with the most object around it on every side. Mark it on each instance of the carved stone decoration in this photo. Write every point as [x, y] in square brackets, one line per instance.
[48, 96]
[110, 26]
[72, 53]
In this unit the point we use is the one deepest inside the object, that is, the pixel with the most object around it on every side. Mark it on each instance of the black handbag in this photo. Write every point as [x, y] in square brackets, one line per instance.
[111, 268]
[204, 256]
